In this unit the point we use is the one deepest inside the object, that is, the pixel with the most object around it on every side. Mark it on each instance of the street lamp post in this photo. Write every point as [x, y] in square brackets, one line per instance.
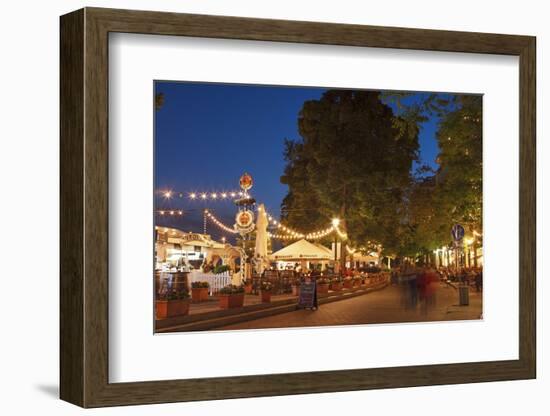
[335, 250]
[475, 251]
[335, 224]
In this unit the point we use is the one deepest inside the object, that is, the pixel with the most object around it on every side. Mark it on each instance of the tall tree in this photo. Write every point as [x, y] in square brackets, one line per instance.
[452, 194]
[461, 162]
[353, 162]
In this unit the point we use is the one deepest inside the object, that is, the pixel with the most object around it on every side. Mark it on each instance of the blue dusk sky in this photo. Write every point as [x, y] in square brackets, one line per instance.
[208, 134]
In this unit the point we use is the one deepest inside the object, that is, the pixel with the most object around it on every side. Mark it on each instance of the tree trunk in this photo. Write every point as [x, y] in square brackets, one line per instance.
[343, 255]
[344, 228]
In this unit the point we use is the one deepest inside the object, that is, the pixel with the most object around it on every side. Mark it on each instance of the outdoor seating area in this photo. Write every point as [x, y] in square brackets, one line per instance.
[341, 216]
[178, 295]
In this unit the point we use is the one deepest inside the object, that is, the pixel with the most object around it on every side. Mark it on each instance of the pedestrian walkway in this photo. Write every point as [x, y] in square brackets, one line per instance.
[211, 316]
[384, 306]
[212, 304]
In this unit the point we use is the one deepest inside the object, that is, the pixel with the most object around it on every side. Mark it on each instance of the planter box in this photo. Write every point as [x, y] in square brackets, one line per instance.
[169, 308]
[266, 296]
[199, 294]
[348, 284]
[336, 286]
[231, 301]
[322, 287]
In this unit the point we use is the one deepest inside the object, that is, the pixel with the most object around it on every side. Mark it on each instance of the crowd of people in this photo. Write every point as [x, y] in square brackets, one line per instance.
[419, 284]
[471, 276]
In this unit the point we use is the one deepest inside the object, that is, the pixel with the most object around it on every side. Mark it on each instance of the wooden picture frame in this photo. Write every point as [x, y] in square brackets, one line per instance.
[84, 207]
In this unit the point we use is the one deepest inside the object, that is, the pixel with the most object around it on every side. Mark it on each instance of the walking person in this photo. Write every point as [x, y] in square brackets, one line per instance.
[479, 280]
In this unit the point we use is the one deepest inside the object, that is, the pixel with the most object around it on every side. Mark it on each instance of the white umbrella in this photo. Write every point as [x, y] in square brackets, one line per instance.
[260, 251]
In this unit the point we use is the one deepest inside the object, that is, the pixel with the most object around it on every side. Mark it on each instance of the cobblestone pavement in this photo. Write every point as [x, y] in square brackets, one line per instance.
[388, 305]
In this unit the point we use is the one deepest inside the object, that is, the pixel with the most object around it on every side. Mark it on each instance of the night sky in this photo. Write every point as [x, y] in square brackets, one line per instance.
[207, 135]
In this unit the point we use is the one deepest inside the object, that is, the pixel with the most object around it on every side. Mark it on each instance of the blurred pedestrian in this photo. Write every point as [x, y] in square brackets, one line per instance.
[479, 280]
[394, 276]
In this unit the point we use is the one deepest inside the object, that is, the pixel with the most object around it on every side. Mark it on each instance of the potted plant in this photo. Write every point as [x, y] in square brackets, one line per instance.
[231, 296]
[172, 304]
[367, 278]
[323, 285]
[199, 291]
[336, 284]
[348, 282]
[265, 290]
[356, 281]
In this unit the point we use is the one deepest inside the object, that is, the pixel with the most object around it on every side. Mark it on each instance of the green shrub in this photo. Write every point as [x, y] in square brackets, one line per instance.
[222, 268]
[176, 295]
[232, 290]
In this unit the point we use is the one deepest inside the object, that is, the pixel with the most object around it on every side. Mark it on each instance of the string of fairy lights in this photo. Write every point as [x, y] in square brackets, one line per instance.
[196, 196]
[283, 232]
[221, 225]
[287, 233]
[203, 196]
[279, 230]
[170, 212]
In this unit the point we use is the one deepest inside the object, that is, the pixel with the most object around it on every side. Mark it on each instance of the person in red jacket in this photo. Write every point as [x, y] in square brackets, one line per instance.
[426, 283]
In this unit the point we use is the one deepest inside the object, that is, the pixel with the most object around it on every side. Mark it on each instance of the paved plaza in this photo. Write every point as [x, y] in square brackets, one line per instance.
[389, 305]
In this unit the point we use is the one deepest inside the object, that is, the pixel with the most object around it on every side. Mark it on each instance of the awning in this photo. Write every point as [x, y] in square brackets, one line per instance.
[302, 250]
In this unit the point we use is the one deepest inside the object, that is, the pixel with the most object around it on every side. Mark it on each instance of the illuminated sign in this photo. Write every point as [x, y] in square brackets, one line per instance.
[244, 221]
[246, 182]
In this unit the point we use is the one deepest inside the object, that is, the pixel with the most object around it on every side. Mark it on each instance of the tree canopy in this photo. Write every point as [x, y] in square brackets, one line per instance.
[354, 161]
[453, 193]
[159, 100]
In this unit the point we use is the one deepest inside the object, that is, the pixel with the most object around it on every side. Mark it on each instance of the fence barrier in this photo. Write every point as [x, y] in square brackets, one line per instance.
[215, 281]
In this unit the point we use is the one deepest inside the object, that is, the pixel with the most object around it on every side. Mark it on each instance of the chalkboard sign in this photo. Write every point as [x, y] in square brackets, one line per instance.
[308, 295]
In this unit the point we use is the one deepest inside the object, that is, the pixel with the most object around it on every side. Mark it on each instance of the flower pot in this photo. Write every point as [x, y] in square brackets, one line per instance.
[199, 294]
[356, 282]
[231, 301]
[322, 287]
[348, 284]
[169, 308]
[336, 287]
[266, 296]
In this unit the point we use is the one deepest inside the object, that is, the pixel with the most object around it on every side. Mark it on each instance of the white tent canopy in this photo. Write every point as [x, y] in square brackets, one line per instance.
[326, 249]
[302, 250]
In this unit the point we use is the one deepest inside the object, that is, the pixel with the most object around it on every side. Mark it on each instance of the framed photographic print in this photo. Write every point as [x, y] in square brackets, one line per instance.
[256, 207]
